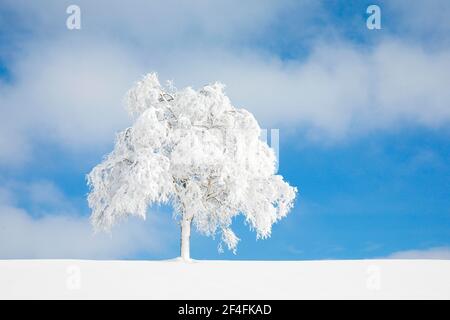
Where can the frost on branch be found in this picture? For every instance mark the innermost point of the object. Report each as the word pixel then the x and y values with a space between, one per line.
pixel 192 149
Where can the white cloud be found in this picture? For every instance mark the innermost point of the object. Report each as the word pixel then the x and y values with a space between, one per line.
pixel 14 145
pixel 62 236
pixel 338 90
pixel 67 94
pixel 66 234
pixel 68 87
pixel 426 21
pixel 439 253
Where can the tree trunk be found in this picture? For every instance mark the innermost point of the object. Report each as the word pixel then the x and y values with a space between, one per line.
pixel 185 238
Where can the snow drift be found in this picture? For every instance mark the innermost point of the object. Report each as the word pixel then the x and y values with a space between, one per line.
pixel 364 279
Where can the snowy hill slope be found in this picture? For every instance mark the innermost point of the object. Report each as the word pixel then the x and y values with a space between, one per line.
pixel 366 279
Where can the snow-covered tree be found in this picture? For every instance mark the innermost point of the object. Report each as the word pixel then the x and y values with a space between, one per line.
pixel 196 151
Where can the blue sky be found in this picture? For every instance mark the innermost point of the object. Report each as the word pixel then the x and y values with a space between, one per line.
pixel 363 118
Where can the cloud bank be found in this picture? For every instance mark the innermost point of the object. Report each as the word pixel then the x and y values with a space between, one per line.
pixel 52 228
pixel 438 253
pixel 68 86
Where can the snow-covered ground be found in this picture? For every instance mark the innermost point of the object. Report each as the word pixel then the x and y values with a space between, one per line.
pixel 366 279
